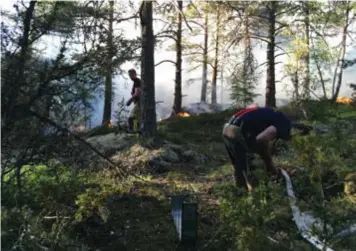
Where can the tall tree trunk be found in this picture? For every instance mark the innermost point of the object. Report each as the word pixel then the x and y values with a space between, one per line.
pixel 323 85
pixel 148 103
pixel 222 84
pixel 216 60
pixel 108 73
pixel 270 85
pixel 246 61
pixel 11 95
pixel 307 56
pixel 321 78
pixel 205 61
pixel 343 48
pixel 177 106
pixel 295 81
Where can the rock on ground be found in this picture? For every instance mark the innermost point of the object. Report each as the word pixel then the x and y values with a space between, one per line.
pixel 110 142
pixel 124 149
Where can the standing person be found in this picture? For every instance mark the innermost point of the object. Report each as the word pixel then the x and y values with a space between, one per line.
pixel 250 131
pixel 135 98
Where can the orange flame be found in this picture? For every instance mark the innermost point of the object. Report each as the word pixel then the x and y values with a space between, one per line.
pixel 344 100
pixel 107 124
pixel 183 114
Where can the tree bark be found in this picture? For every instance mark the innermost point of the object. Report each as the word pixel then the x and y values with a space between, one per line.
pixel 108 75
pixel 19 80
pixel 247 57
pixel 148 104
pixel 205 61
pixel 24 43
pixel 323 86
pixel 307 56
pixel 341 59
pixel 295 80
pixel 177 105
pixel 270 85
pixel 318 67
pixel 216 60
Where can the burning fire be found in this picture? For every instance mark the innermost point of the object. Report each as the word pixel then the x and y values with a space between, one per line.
pixel 344 100
pixel 183 114
pixel 108 124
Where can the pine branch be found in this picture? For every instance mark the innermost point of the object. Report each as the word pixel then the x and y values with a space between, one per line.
pixel 165 61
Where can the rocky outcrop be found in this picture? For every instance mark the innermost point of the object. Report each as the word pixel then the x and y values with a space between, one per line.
pixel 124 150
pixel 111 142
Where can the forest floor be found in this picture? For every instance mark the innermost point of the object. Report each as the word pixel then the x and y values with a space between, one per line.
pixel 111 213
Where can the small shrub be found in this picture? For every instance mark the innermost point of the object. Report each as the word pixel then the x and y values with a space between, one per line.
pixel 102 130
pixel 326 160
pixel 46 191
pixel 253 220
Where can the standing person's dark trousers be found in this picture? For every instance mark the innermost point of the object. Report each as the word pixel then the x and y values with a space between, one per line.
pixel 237 149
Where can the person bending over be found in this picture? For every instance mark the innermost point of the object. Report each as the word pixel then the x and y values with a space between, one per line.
pixel 135 98
pixel 250 131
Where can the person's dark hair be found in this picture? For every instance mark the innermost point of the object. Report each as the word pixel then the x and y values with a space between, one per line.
pixel 132 71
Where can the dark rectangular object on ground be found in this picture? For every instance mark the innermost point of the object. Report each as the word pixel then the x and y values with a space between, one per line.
pixel 185 219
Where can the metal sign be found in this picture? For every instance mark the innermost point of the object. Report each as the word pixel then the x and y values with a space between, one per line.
pixel 185 219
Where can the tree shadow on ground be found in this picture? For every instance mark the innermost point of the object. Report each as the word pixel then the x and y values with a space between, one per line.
pixel 131 222
pixel 144 222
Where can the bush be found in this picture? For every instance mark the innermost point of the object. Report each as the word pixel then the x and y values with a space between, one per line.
pixel 327 159
pixel 254 221
pixel 29 216
pixel 316 110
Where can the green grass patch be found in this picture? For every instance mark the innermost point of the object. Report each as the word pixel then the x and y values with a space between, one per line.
pixel 196 129
pixel 98 210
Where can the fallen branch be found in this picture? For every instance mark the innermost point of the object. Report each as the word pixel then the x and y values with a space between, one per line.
pixel 55 217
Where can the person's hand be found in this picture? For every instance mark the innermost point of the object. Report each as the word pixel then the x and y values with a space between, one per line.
pixel 128 103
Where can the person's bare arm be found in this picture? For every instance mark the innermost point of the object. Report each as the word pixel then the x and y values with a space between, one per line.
pixel 262 141
pixel 137 93
pixel 268 134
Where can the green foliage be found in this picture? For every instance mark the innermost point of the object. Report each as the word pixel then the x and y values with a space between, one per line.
pixel 102 130
pixel 89 203
pixel 41 185
pixel 327 159
pixel 253 220
pixel 320 110
pixel 46 191
pixel 195 129
pixel 243 84
pixel 60 16
pixel 100 209
pixel 60 208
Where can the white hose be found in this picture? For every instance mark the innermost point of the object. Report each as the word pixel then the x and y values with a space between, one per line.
pixel 299 219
